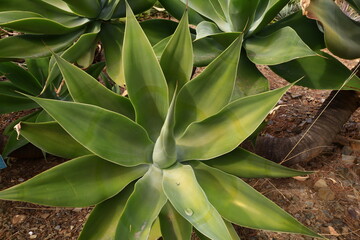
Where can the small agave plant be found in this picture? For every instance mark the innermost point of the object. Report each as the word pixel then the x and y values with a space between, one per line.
pixel 165 159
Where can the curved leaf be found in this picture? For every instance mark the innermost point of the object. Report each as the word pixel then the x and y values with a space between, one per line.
pixel 281 46
pixel 138 6
pixel 242 205
pixel 33 23
pixel 39 68
pixel 85 89
pixel 341 33
pixel 177 58
pixel 187 197
pixel 107 134
pixel 243 163
pixel 318 72
pixel 242 14
pixel 173 225
pixel 87 8
pixel 11 101
pixel 85 42
pixel 112 35
pixel 104 218
pixel 35 46
pixel 249 80
pixel 146 83
pixel 266 12
pixel 225 130
pixel 21 78
pixel 158 29
pixel 138 226
pixel 51 138
pixel 81 182
pixel 176 8
pixel 307 29
pixel 201 98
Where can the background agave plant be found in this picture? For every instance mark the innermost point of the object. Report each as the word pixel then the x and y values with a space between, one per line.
pixel 73 28
pixel 291 46
pixel 148 158
pixel 29 79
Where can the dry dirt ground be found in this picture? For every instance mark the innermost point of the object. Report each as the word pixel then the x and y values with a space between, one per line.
pixel 328 201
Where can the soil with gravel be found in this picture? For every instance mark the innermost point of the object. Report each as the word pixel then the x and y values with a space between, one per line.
pixel 327 201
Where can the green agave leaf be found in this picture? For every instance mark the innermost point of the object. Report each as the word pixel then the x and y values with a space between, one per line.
pixel 51 138
pixel 138 6
pixel 146 83
pixel 341 33
pixel 225 130
pixel 306 28
pixel 231 229
pixel 111 36
pixel 164 154
pixel 210 9
pixel 108 9
pixel 138 226
pixel 35 46
pixel 81 182
pixel 87 58
pixel 242 205
pixel 20 78
pixel 243 163
pixel 104 218
pixel 177 58
pixel 176 8
pixel 155 232
pixel 12 101
pixel 85 42
pixel 205 29
pixel 95 69
pixel 249 80
pixel 187 197
pixel 318 72
pixel 281 46
pixel 242 14
pixel 266 12
pixel 39 68
pixel 87 8
pixel 41 7
pixel 86 89
pixel 201 98
pixel 158 29
pixel 107 134
pixel 34 23
pixel 173 225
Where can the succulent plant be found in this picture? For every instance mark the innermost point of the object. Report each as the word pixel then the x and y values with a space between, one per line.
pixel 166 158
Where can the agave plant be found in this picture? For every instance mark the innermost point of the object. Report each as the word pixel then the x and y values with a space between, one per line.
pixel 166 158
pixel 291 46
pixel 73 28
pixel 29 79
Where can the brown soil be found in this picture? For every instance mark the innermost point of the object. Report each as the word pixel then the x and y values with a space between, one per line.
pixel 328 201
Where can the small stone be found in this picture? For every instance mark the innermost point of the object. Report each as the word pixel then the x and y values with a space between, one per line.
pixel 321 183
pixel 18 219
pixel 77 209
pixel 326 194
pixel 33 236
pixel 21 180
pixel 57 227
pixel 354 213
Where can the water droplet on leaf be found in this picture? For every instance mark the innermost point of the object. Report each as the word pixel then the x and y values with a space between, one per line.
pixel 189 212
